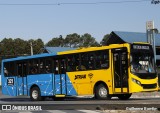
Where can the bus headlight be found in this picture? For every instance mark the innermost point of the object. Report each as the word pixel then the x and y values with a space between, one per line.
pixel 136 81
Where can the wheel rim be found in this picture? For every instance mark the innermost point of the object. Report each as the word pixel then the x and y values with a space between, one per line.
pixel 103 92
pixel 35 94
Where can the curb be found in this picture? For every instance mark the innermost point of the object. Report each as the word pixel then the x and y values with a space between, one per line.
pixel 146 95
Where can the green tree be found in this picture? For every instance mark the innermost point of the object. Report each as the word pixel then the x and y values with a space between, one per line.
pixel 36 44
pixel 72 40
pixel 19 47
pixel 56 42
pixel 7 46
pixel 13 47
pixel 104 40
pixel 88 41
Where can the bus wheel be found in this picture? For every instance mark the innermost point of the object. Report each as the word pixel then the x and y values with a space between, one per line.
pixel 124 96
pixel 101 92
pixel 35 94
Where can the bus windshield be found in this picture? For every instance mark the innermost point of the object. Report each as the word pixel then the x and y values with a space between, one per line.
pixel 142 62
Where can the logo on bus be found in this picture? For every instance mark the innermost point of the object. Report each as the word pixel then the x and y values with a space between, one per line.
pixel 90 75
pixel 80 77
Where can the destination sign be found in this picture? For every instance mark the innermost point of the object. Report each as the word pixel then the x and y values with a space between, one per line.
pixel 141 47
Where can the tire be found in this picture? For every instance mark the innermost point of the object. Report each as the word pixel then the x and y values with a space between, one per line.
pixel 101 92
pixel 35 94
pixel 124 96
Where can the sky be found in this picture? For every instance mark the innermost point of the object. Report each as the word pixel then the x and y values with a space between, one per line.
pixel 49 21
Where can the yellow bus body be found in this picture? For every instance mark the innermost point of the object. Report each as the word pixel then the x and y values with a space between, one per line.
pixel 86 84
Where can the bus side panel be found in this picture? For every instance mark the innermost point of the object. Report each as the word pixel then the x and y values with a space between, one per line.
pixel 43 81
pixel 60 84
pixel 9 86
pixel 57 85
pixel 81 82
pixel 70 87
pixel 22 85
pixel 63 84
pixel 84 81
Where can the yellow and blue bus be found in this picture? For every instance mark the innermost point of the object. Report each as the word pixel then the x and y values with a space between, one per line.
pixel 103 72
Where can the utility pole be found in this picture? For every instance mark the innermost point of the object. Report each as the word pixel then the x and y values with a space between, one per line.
pixel 31 48
pixel 151 31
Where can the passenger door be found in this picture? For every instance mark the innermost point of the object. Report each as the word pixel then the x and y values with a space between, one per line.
pixel 22 78
pixel 60 76
pixel 120 70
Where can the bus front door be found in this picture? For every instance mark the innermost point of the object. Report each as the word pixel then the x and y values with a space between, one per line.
pixel 22 79
pixel 120 70
pixel 59 77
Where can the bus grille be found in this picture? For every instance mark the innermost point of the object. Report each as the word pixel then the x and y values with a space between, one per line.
pixel 149 86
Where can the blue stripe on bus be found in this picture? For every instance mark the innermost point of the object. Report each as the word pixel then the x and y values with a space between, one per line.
pixel 30 57
pixel 49 85
pixel 10 90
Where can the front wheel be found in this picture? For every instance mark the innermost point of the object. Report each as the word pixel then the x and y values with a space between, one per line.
pixel 101 92
pixel 35 94
pixel 124 96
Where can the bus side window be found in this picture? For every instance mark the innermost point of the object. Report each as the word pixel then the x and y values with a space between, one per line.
pixel 33 66
pixel 70 63
pixel 12 70
pixel 36 66
pixel 84 60
pixel 91 61
pixel 98 60
pixel 102 59
pixel 22 69
pixel 105 59
pixel 48 66
pixel 25 71
pixel 9 69
pixel 30 66
pixel 63 66
pixel 73 62
pixel 6 67
pixel 76 62
pixel 42 66
pixel 56 67
pixel 6 73
pixel 19 69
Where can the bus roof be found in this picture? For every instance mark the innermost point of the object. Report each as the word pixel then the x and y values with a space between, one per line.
pixel 92 49
pixel 54 52
pixel 30 57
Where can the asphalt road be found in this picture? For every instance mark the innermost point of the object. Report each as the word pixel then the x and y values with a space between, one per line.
pixel 83 103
